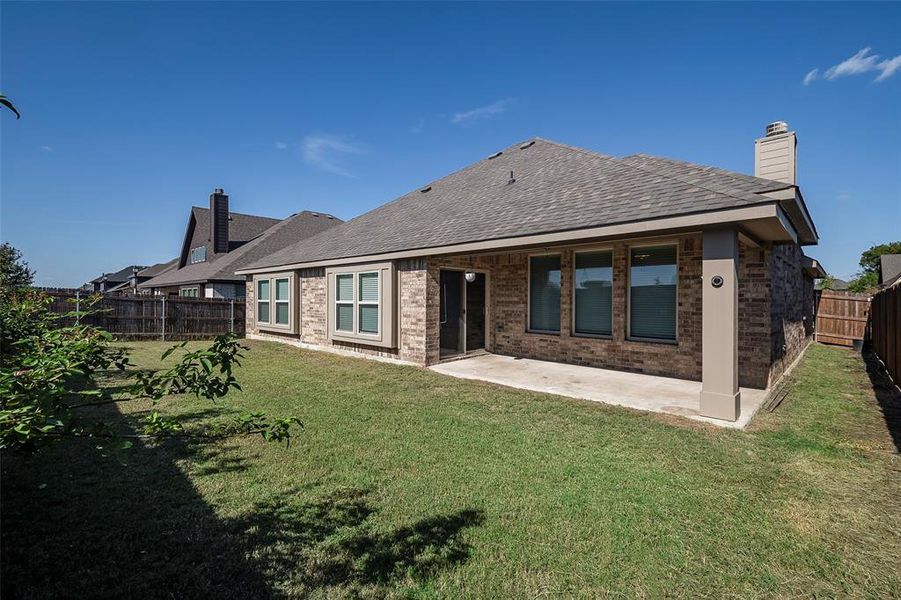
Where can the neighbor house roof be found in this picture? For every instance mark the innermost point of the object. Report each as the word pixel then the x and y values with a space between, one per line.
pixel 531 188
pixel 158 268
pixel 222 267
pixel 889 267
pixel 118 276
pixel 241 227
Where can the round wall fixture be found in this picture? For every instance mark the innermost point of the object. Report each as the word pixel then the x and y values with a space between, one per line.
pixel 470 276
pixel 717 281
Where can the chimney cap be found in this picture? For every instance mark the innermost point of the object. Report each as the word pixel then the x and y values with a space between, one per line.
pixel 218 191
pixel 776 128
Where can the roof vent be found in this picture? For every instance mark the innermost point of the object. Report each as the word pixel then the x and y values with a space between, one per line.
pixel 330 216
pixel 528 144
pixel 776 128
pixel 315 214
pixel 427 188
pixel 512 180
pixel 495 155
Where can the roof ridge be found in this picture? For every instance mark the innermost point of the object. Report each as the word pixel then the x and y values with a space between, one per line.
pixel 709 168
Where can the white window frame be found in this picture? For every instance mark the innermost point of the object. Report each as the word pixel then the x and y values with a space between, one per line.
pixel 275 301
pixel 193 250
pixel 351 302
pixel 256 296
pixel 601 336
pixel 649 244
pixel 195 289
pixel 292 326
pixel 358 302
pixel 529 329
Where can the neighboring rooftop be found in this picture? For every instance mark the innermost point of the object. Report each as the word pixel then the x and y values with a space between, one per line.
pixel 118 276
pixel 889 268
pixel 530 188
pixel 298 226
pixel 159 268
pixel 241 228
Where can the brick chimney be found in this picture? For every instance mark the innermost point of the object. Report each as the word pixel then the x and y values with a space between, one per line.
pixel 776 154
pixel 218 221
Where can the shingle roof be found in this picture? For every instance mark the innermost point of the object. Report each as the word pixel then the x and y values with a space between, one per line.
pixel 889 267
pixel 296 227
pixel 556 188
pixel 158 268
pixel 241 227
pixel 119 276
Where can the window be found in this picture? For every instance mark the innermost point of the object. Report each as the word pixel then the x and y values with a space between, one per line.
pixel 593 281
pixel 188 292
pixel 263 301
pixel 364 304
pixel 282 297
pixel 544 293
pixel 368 305
pixel 198 254
pixel 652 292
pixel 344 302
pixel 275 302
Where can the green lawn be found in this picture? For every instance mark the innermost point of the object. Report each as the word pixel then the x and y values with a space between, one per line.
pixel 409 483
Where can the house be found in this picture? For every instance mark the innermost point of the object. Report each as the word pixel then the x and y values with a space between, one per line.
pixel 218 242
pixel 889 269
pixel 552 252
pixel 139 275
pixel 108 282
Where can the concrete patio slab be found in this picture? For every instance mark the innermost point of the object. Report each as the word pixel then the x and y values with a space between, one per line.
pixel 632 390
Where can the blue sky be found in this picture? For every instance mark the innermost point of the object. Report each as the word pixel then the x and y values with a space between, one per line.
pixel 132 112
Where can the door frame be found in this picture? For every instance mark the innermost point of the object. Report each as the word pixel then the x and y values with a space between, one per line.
pixel 489 337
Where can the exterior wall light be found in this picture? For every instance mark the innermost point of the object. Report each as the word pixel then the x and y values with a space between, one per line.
pixel 470 276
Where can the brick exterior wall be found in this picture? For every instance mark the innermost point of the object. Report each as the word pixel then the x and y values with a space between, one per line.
pixel 411 280
pixel 791 308
pixel 774 299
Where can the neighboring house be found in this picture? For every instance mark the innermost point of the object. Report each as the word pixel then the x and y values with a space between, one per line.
pixel 218 242
pixel 552 252
pixel 108 282
pixel 140 275
pixel 889 268
pixel 838 285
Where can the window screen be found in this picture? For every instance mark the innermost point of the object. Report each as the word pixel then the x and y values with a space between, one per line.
pixel 369 303
pixel 344 302
pixel 282 297
pixel 544 293
pixel 263 301
pixel 652 279
pixel 594 293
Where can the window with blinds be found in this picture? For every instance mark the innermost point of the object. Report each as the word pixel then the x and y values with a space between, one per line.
pixel 263 301
pixel 544 293
pixel 275 302
pixel 368 303
pixel 344 302
pixel 282 302
pixel 593 281
pixel 653 277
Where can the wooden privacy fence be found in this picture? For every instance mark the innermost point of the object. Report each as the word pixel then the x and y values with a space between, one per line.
pixel 155 317
pixel 842 317
pixel 886 333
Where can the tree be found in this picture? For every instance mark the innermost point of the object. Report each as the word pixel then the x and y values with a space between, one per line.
pixel 14 272
pixel 826 283
pixel 48 382
pixel 8 104
pixel 867 279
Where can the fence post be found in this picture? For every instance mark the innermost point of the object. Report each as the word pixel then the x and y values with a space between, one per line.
pixel 163 330
pixel 231 318
pixel 77 307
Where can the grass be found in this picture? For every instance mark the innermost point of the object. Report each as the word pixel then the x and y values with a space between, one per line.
pixel 406 483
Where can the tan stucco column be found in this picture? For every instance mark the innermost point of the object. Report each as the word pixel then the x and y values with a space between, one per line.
pixel 720 397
